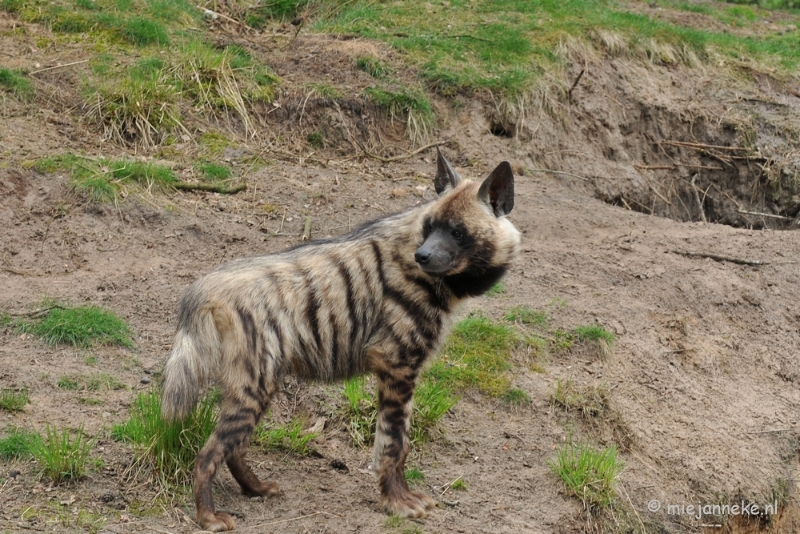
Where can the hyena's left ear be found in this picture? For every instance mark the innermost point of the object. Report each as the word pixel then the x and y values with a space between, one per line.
pixel 498 190
pixel 446 175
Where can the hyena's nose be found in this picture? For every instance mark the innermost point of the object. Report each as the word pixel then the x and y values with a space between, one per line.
pixel 422 256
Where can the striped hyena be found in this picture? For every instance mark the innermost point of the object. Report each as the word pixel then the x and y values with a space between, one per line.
pixel 378 299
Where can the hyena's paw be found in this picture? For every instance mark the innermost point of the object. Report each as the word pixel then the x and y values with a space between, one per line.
pixel 215 522
pixel 263 489
pixel 409 504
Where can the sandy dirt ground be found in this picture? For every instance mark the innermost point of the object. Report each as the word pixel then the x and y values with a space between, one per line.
pixel 703 378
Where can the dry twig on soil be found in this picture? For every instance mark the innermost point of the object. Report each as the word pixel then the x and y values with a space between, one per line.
pixel 719 257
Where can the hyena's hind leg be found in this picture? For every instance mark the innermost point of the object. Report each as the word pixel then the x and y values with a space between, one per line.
pixel 228 443
pixel 392 443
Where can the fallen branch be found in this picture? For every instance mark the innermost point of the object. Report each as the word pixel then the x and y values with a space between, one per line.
pixel 720 258
pixel 58 67
pixel 307 229
pixel 675 166
pixel 770 215
pixel 558 172
pixel 221 189
pixel 400 157
pixel 702 146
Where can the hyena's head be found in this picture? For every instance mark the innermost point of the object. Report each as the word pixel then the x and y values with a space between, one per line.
pixel 466 238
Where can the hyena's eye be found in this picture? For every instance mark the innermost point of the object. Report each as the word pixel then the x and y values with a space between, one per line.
pixel 458 235
pixel 427 229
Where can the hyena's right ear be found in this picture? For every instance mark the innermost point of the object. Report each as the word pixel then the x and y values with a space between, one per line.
pixel 498 190
pixel 446 175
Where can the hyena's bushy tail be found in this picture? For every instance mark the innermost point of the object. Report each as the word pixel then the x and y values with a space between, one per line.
pixel 190 366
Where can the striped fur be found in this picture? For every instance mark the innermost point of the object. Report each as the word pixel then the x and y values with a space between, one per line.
pixel 379 299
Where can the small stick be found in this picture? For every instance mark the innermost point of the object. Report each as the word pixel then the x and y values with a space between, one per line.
pixel 575 84
pixel 701 145
pixel 770 215
pixel 771 431
pixel 206 10
pixel 558 172
pixel 510 435
pixel 672 167
pixel 659 195
pixel 400 157
pixel 20 272
pixel 34 313
pixel 307 229
pixel 185 186
pixel 697 199
pixel 718 257
pixel 58 66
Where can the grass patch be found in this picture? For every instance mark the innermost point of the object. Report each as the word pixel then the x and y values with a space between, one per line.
pixel 526 316
pixel 61 456
pixel 83 326
pixel 361 411
pixel 409 103
pixel 316 139
pixel 167 449
pixel 13 401
pixel 214 173
pixel 476 355
pixel 459 484
pixel 595 334
pixel 414 476
pixel 19 444
pixel 591 401
pixel 516 397
pixel 373 66
pixel 508 46
pixel 289 437
pixel 588 473
pixel 15 82
pixel 103 180
pixel 496 290
pixel 431 402
pixel 93 382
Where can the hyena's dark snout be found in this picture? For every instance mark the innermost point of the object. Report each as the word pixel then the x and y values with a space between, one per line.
pixel 435 255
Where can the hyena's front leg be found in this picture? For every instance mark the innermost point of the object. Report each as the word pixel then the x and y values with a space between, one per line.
pixel 395 395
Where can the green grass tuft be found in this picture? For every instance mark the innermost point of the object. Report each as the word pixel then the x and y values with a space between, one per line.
pixel 373 66
pixel 525 315
pixel 459 484
pixel 102 180
pixel 409 103
pixel 19 443
pixel 143 32
pixel 360 411
pixel 61 457
pixel 414 475
pixel 167 449
pixel 431 402
pixel 496 290
pixel 213 172
pixel 93 382
pixel 588 473
pixel 81 327
pixel 13 401
pixel 476 355
pixel 516 397
pixel 316 139
pixel 16 83
pixel 595 334
pixel 289 437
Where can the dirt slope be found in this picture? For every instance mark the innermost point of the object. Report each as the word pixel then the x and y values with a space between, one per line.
pixel 702 380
